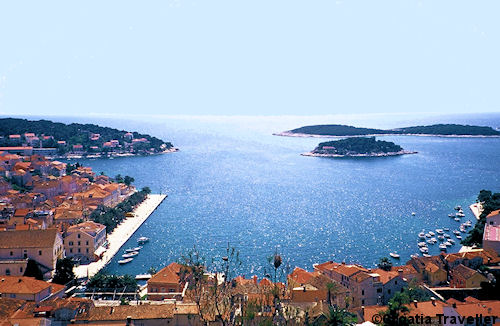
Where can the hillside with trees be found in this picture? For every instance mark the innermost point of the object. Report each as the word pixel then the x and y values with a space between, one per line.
pixel 358 146
pixel 435 130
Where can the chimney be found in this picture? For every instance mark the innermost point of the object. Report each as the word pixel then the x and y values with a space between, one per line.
pixel 129 320
pixel 400 272
pixel 433 301
pixel 363 311
pixel 254 279
pixel 415 303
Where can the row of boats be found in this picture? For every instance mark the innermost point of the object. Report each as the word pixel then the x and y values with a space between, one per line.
pixel 130 253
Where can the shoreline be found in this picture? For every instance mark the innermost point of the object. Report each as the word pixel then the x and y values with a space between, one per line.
pixel 293 134
pixel 120 235
pixel 359 155
pixel 112 155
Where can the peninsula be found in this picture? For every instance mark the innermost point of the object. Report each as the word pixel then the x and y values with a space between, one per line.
pixel 357 147
pixel 442 130
pixel 55 139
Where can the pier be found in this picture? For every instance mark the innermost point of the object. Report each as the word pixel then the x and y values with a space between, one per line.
pixel 121 234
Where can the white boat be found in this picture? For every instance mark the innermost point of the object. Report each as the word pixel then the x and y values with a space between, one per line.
pixel 426 255
pixel 442 247
pixel 430 241
pixel 432 233
pixel 446 235
pixel 451 241
pixel 457 219
pixel 414 255
pixel 433 240
pixel 448 244
pixel 427 235
pixel 462 229
pixel 458 207
pixel 446 229
pixel 460 214
pixel 441 237
pixel 424 249
pixel 143 277
pixel 394 255
pixel 451 215
pixel 421 244
pixel 130 254
pixel 421 235
pixel 439 231
pixel 133 249
pixel 413 213
pixel 459 237
pixel 142 240
pixel 456 232
pixel 124 261
pixel 468 224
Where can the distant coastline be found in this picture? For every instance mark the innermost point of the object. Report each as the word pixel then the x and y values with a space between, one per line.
pixel 293 134
pixel 111 155
pixel 404 152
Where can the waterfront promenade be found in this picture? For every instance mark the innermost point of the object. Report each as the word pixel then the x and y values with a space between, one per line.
pixel 121 234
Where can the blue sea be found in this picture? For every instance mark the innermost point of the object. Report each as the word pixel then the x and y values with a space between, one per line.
pixel 234 182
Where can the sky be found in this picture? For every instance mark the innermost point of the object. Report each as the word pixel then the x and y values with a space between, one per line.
pixel 230 57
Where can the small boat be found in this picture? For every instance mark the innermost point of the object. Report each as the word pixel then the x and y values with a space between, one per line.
pixel 457 219
pixel 446 235
pixel 421 244
pixel 433 240
pixel 451 241
pixel 459 237
pixel 421 235
pixel 451 215
pixel 414 255
pixel 456 232
pixel 441 237
pixel 427 235
pixel 130 254
pixel 462 229
pixel 458 207
pixel 133 249
pixel 394 255
pixel 430 241
pixel 442 247
pixel 424 249
pixel 413 213
pixel 468 224
pixel 460 214
pixel 143 277
pixel 439 231
pixel 432 233
pixel 426 255
pixel 124 261
pixel 142 240
pixel 446 229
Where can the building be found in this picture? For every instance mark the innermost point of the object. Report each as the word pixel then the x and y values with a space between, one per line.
pixel 491 238
pixel 43 246
pixel 166 284
pixel 19 150
pixel 83 240
pixel 29 289
pixel 465 277
pixel 392 282
pixel 493 218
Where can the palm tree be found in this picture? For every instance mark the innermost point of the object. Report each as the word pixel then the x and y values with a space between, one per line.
pixel 338 317
pixel 333 289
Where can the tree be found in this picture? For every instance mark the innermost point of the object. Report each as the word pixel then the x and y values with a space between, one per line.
pixel 119 178
pixel 64 271
pixel 385 264
pixel 33 270
pixel 128 180
pixel 333 289
pixel 337 317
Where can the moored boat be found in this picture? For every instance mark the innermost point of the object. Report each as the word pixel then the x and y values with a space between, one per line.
pixel 142 240
pixel 124 261
pixel 130 254
pixel 394 255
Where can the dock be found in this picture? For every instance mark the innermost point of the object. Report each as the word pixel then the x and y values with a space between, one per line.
pixel 121 234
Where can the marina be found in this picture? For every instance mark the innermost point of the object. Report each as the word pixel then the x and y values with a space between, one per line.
pixel 120 235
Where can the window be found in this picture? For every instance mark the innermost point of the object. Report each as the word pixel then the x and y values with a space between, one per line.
pixel 20 269
pixel 396 282
pixel 25 255
pixel 389 291
pixel 171 290
pixel 39 252
pixel 12 253
pixel 71 243
pixel 7 272
pixel 78 242
pixel 379 290
pixel 71 250
pixel 362 292
pixel 79 250
pixel 87 250
pixel 87 242
pixel 363 301
pixel 79 236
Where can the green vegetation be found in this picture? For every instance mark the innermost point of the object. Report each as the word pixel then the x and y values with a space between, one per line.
pixel 64 271
pixel 356 145
pixel 102 282
pixel 398 305
pixel 385 264
pixel 112 216
pixel 490 202
pixel 438 129
pixel 74 133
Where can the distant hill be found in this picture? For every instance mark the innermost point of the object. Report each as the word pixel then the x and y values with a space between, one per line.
pixel 435 130
pixel 91 137
pixel 357 146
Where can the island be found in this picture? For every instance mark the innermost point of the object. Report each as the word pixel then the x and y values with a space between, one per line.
pixel 442 130
pixel 357 147
pixel 75 140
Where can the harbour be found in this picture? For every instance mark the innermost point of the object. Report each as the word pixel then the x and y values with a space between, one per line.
pixel 121 234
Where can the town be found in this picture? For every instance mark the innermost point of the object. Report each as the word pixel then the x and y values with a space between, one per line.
pixel 55 220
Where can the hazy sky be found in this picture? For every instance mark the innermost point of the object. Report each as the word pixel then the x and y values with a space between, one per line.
pixel 262 57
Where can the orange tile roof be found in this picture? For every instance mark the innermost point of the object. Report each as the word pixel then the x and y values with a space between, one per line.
pixel 168 274
pixel 486 308
pixel 349 270
pixel 386 276
pixel 300 275
pixel 329 265
pixel 28 239
pixel 22 285
pixel 494 213
pixel 463 271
